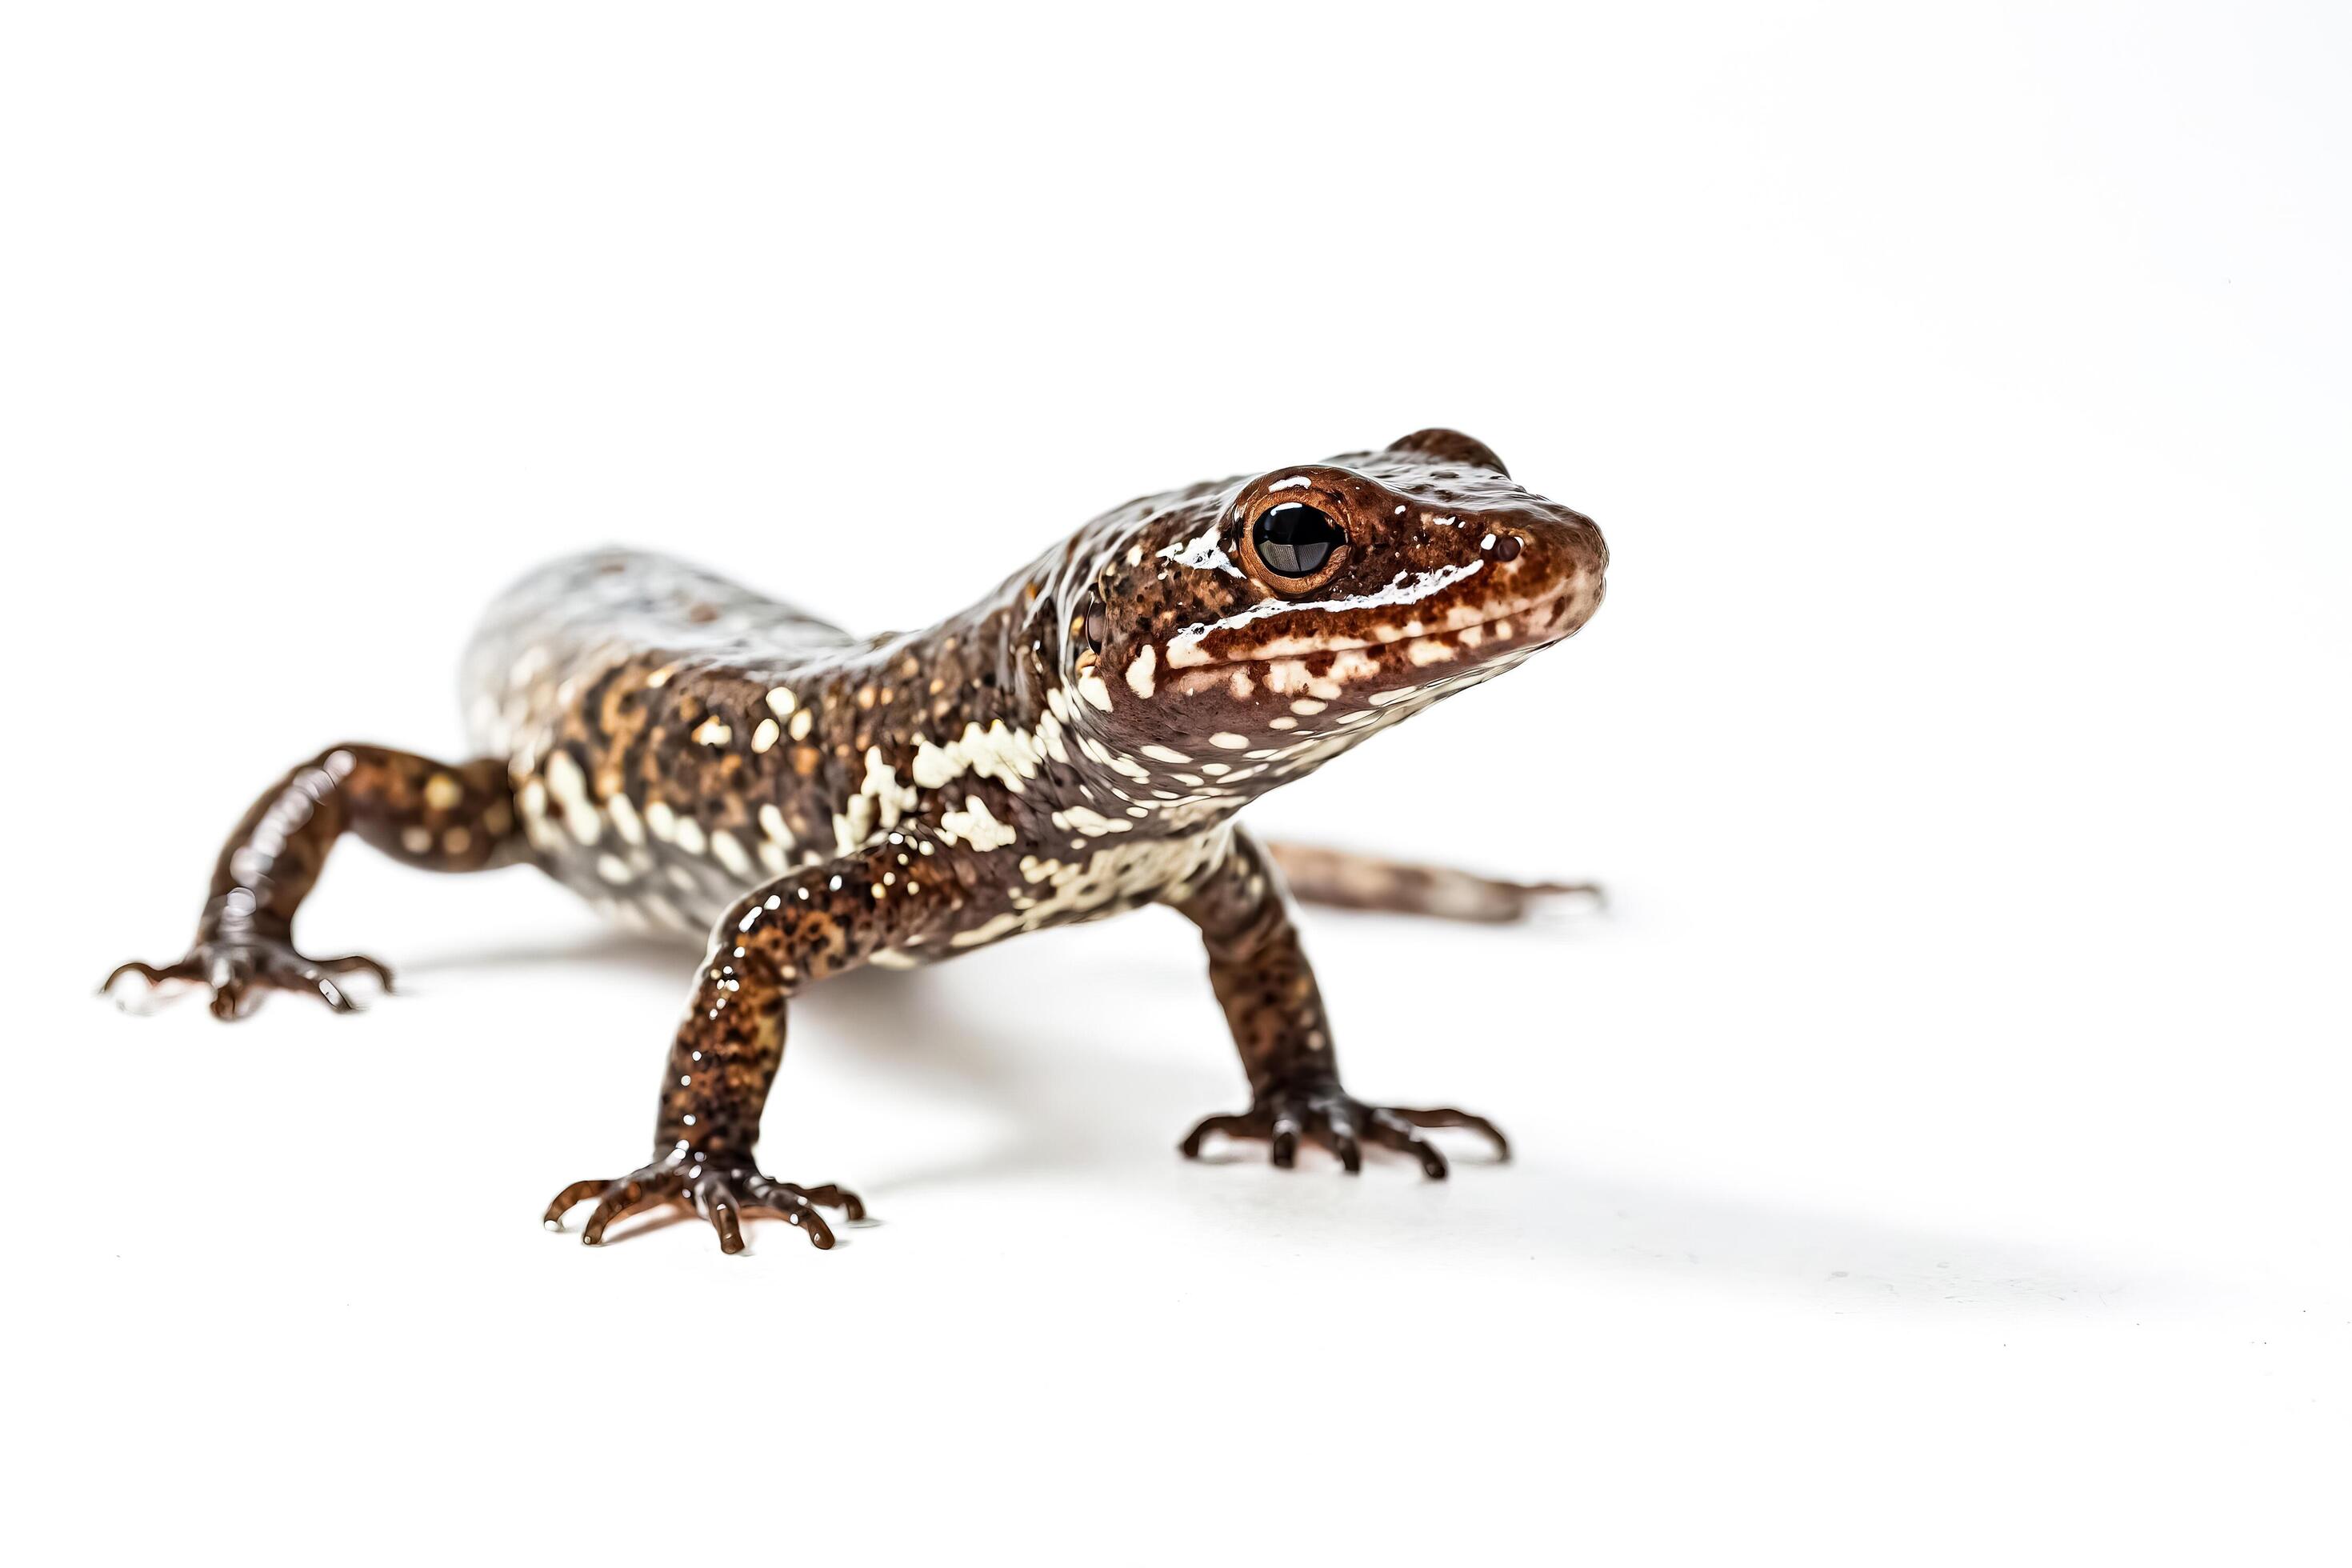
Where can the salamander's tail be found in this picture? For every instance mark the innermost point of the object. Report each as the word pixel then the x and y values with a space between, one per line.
pixel 1333 877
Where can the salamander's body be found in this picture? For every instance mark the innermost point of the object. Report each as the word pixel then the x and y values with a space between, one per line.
pixel 686 753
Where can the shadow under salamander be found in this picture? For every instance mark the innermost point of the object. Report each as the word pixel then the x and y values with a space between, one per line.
pixel 1063 1106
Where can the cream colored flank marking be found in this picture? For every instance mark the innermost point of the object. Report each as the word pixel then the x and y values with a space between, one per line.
pixel 713 731
pixel 879 798
pixel 1006 755
pixel 783 701
pixel 661 821
pixel 416 841
pixel 1112 877
pixel 1228 740
pixel 441 792
pixel 800 724
pixel 570 791
pixel 765 735
pixel 976 825
pixel 1139 674
pixel 1165 753
pixel 624 815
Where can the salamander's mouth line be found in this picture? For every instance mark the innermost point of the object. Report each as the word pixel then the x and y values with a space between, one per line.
pixel 1530 607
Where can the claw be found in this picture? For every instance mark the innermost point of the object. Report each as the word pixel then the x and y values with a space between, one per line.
pixel 1282 1147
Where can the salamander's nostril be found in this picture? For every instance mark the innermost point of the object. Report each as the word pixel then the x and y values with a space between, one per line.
pixel 1508 546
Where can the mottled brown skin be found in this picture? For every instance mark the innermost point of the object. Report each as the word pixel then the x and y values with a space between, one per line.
pixel 426 814
pixel 689 754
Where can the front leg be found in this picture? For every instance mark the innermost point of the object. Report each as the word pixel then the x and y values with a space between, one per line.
pixel 436 816
pixel 1275 1011
pixel 772 943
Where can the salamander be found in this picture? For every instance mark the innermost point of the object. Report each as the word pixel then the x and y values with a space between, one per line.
pixel 686 753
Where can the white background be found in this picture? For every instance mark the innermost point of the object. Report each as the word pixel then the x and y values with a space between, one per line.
pixel 1939 1154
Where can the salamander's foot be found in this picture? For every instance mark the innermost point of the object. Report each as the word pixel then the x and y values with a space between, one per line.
pixel 237 971
pixel 1338 1121
pixel 720 1191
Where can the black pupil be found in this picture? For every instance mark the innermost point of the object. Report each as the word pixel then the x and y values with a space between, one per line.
pixel 1294 540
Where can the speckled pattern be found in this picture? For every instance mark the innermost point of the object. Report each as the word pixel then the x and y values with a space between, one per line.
pixel 686 753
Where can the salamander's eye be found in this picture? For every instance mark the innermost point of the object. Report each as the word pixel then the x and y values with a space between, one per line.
pixel 1294 540
pixel 1094 624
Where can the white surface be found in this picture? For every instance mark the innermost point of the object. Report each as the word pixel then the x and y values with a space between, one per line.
pixel 1939 1156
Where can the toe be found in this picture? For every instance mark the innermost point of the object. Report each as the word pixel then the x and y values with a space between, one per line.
pixel 358 963
pixel 620 1200
pixel 1340 1137
pixel 327 991
pixel 852 1207
pixel 1230 1126
pixel 820 1233
pixel 1448 1117
pixel 567 1200
pixel 718 1204
pixel 1394 1133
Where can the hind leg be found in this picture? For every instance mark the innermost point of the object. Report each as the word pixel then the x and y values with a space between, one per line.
pixel 424 813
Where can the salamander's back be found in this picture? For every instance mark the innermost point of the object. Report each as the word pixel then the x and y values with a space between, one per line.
pixel 570 619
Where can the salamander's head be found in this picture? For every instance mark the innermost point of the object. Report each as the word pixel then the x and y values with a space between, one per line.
pixel 1257 627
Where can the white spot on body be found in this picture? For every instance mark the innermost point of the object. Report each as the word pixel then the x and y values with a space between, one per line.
pixel 569 790
pixel 974 825
pixel 1139 672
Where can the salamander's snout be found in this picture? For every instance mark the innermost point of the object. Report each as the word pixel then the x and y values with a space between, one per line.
pixel 1550 560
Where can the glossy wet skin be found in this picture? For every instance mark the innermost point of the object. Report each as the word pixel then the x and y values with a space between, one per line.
pixel 686 753
pixel 1446 573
